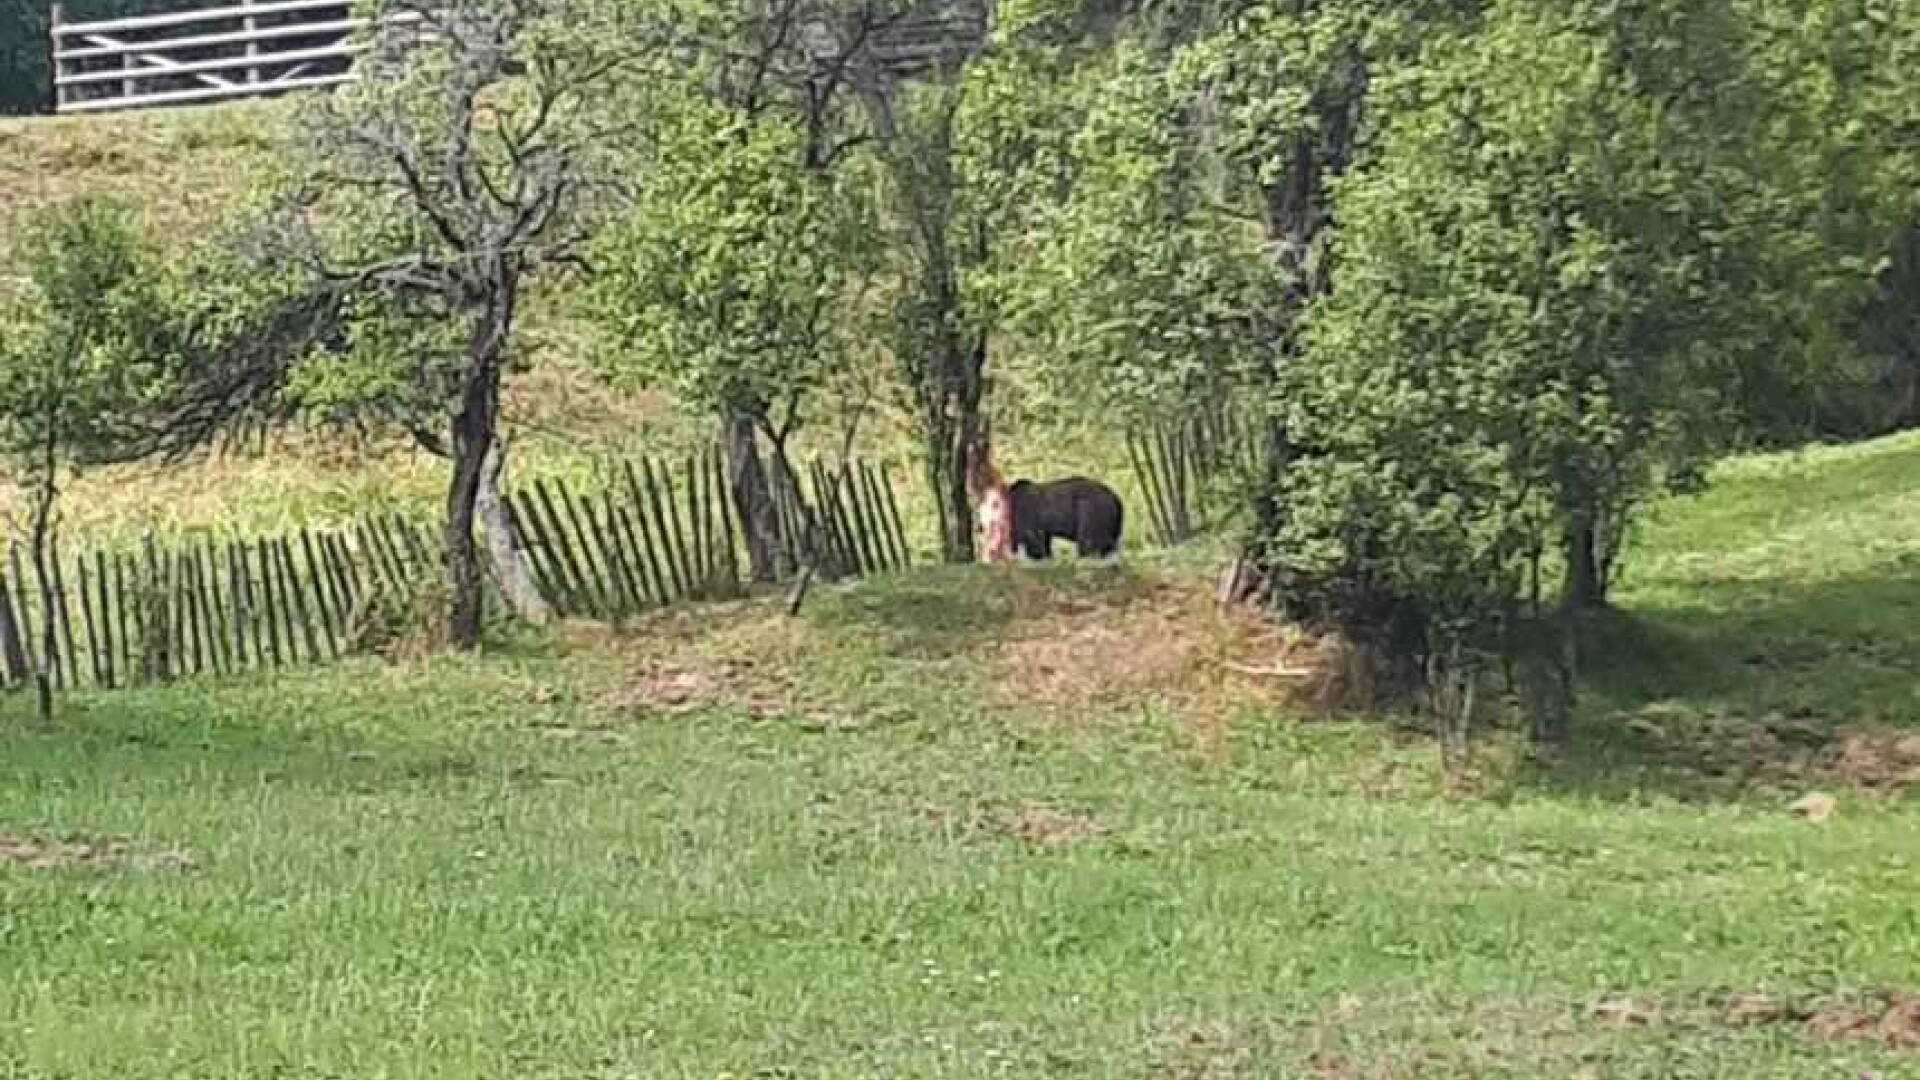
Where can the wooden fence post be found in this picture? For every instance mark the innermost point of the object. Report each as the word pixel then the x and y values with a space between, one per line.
pixel 671 550
pixel 893 516
pixel 12 649
pixel 104 589
pixel 70 663
pixel 252 24
pixel 55 65
pixel 650 549
pixel 89 625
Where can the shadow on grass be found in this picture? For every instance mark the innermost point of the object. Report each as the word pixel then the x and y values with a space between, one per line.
pixel 945 611
pixel 1757 688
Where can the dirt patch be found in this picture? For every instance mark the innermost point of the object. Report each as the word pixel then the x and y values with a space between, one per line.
pixel 677 687
pixel 1891 1019
pixel 742 656
pixel 1034 824
pixel 1779 754
pixel 1042 826
pixel 664 630
pixel 112 853
pixel 1205 1051
pixel 1624 1012
pixel 1166 645
pixel 1749 1010
pixel 1392 1039
pixel 1877 758
pixel 742 661
pixel 1403 1038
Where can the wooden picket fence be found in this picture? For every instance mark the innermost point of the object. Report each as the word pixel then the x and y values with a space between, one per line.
pixel 651 535
pixel 645 541
pixel 126 618
pixel 1177 461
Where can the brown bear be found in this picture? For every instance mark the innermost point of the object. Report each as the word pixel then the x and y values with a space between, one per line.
pixel 1075 508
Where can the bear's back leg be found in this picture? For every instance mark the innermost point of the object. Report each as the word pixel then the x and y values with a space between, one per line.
pixel 1096 530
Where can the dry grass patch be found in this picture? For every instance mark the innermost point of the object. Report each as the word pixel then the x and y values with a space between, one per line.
pixel 744 656
pixel 180 171
pixel 679 687
pixel 1889 1018
pixel 1356 1039
pixel 1040 825
pixel 1032 823
pixel 1203 1050
pixel 1876 757
pixel 109 853
pixel 1169 645
pixel 1404 1039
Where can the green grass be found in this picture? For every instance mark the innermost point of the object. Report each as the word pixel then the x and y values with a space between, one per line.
pixel 524 865
pixel 1786 600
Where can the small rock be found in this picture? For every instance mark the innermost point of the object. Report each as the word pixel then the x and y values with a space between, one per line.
pixel 1814 806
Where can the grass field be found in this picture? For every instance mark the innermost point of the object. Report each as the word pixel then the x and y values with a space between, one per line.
pixel 969 823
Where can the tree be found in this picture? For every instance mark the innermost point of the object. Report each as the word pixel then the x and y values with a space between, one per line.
pixel 87 347
pixel 1146 290
pixel 957 151
pixel 731 286
pixel 802 66
pixel 1194 225
pixel 734 277
pixel 1555 277
pixel 461 166
pixel 1846 146
pixel 1890 324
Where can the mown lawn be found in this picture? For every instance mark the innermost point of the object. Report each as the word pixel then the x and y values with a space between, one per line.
pixel 971 824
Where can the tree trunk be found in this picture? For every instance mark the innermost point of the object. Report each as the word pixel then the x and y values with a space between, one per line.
pixel 1581 591
pixel 13 649
pixel 43 497
pixel 474 429
pixel 752 500
pixel 470 444
pixel 953 437
pixel 1551 672
pixel 958 543
pixel 1296 220
pixel 505 546
pixel 1241 582
pixel 1269 514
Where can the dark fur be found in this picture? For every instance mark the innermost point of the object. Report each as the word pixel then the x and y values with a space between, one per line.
pixel 1084 511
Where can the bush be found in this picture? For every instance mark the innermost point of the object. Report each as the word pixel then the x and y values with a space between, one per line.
pixel 1552 279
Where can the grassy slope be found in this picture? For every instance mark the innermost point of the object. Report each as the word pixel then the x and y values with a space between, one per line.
pixel 180 170
pixel 972 824
pixel 1787 601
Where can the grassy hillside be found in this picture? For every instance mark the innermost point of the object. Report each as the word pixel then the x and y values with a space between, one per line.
pixel 177 169
pixel 181 170
pixel 1764 617
pixel 977 822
